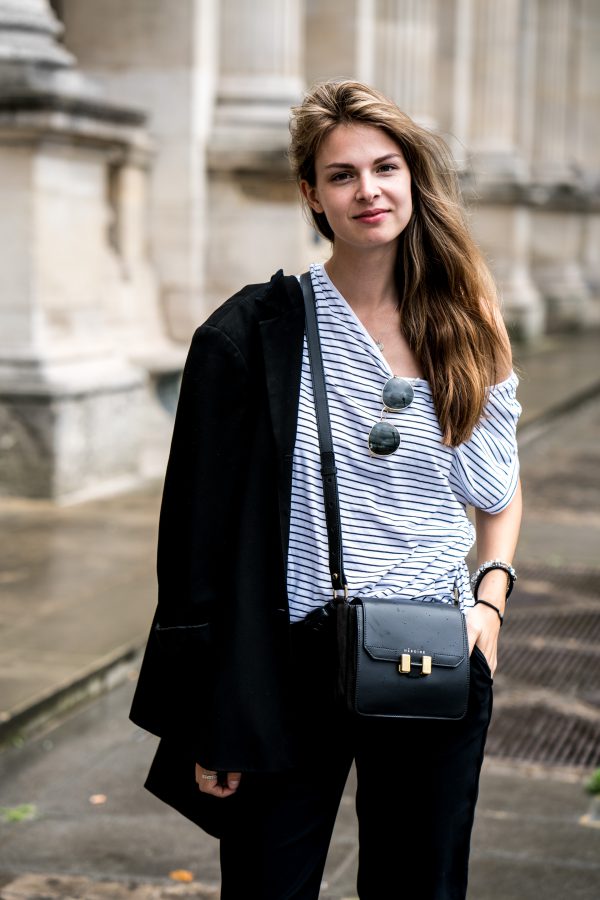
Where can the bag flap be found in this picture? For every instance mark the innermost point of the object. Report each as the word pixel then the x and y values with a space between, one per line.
pixel 393 627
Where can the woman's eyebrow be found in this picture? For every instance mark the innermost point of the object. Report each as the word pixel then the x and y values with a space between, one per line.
pixel 380 159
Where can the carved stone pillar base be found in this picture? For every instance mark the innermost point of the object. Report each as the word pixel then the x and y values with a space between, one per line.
pixel 557 241
pixel 591 264
pixel 503 232
pixel 256 228
pixel 69 429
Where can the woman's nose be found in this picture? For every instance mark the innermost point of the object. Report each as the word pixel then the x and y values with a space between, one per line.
pixel 367 188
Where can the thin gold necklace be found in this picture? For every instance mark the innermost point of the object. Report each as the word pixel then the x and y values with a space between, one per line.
pixel 378 342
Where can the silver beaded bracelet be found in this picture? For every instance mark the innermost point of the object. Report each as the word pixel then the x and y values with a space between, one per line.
pixel 484 568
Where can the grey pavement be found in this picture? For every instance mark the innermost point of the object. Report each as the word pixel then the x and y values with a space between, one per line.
pixel 78 591
pixel 529 840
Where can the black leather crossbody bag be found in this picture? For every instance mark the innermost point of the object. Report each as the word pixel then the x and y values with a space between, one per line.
pixel 397 658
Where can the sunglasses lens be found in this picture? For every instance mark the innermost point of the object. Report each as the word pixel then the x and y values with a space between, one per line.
pixel 398 393
pixel 384 439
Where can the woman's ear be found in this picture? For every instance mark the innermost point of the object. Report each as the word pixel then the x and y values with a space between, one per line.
pixel 311 196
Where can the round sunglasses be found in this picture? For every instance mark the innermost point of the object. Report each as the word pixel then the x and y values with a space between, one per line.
pixel 384 437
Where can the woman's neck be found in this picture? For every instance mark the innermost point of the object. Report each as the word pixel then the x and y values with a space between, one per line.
pixel 365 280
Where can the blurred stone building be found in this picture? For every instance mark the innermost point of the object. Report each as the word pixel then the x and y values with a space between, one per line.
pixel 143 180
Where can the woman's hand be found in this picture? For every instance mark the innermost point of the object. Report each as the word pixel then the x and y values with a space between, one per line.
pixel 483 628
pixel 222 784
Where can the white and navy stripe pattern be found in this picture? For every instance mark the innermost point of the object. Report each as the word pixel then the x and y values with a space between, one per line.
pixel 404 525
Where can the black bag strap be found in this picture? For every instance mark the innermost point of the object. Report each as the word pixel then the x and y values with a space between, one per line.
pixel 328 469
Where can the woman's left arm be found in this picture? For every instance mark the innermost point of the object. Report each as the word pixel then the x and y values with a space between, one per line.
pixel 497 536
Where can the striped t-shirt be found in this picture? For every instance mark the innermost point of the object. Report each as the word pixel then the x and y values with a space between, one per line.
pixel 404 525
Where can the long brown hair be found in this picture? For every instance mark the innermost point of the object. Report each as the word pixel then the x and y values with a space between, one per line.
pixel 448 302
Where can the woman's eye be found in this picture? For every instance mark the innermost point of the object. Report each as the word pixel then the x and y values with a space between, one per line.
pixel 341 176
pixel 387 167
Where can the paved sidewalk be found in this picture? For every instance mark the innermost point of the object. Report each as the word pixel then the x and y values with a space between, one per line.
pixel 78 591
pixel 530 839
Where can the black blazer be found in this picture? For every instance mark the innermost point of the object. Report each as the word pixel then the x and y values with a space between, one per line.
pixel 213 681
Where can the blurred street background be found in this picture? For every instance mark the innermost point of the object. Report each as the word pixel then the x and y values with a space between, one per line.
pixel 143 180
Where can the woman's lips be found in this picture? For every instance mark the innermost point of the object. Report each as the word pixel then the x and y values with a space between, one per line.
pixel 372 216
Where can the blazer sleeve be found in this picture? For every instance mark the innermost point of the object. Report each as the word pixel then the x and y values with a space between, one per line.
pixel 205 460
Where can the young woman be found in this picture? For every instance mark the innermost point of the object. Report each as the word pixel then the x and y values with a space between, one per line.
pixel 254 748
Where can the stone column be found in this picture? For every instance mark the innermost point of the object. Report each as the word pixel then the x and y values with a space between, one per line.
pixel 590 261
pixel 558 244
pixel 585 97
pixel 586 103
pixel 493 129
pixel 480 89
pixel 491 122
pixel 504 232
pixel 337 39
pixel 69 400
pixel 553 145
pixel 261 59
pixel 405 54
pixel 462 83
pixel 392 44
pixel 558 224
pixel 255 223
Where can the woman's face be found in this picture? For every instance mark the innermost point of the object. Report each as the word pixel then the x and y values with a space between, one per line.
pixel 363 186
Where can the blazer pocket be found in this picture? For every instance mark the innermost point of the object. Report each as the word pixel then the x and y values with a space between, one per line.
pixel 178 639
pixel 182 666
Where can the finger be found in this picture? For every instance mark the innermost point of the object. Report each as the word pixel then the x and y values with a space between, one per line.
pixel 205 777
pixel 219 790
pixel 226 785
pixel 233 781
pixel 211 787
pixel 211 782
pixel 203 774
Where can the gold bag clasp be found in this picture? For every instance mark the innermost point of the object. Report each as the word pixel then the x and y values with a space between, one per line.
pixel 406 664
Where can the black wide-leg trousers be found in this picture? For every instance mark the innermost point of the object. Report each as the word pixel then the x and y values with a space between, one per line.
pixel 417 789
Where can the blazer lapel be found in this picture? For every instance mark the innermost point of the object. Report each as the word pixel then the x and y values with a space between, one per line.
pixel 282 335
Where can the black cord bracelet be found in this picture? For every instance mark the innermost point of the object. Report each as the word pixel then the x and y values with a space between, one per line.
pixel 495 608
